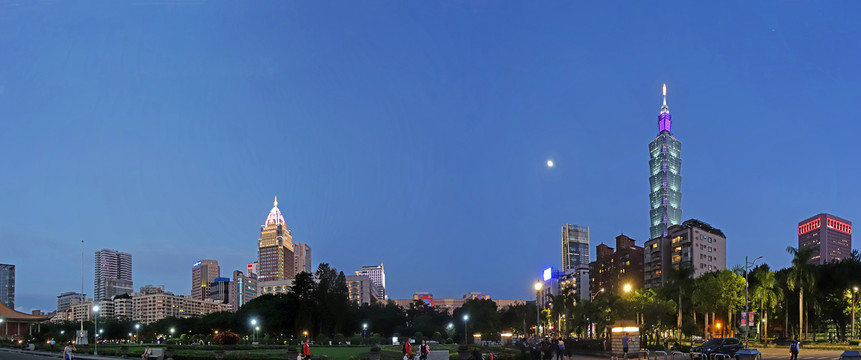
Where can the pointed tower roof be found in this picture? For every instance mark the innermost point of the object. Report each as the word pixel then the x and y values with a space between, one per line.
pixel 665 120
pixel 275 217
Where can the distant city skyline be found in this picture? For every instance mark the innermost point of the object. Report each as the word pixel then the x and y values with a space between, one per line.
pixel 165 129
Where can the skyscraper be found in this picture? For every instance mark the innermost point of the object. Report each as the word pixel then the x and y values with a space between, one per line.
pixel 66 300
pixel 113 274
pixel 203 273
pixel 243 289
pixel 7 285
pixel 275 248
pixel 575 247
pixel 219 290
pixel 302 258
pixel 665 180
pixel 378 275
pixel 832 242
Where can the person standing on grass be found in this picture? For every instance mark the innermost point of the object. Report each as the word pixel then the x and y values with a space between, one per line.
pixel 408 349
pixel 306 350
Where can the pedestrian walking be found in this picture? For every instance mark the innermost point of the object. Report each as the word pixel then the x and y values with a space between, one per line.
pixel 625 345
pixel 67 351
pixel 424 350
pixel 794 346
pixel 408 349
pixel 147 353
pixel 560 350
pixel 306 350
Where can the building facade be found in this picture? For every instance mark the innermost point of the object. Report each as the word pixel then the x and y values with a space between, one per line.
pixel 113 274
pixel 302 258
pixel 203 273
pixel 450 304
pixel 575 247
pixel 7 285
pixel 66 300
pixel 612 270
pixel 577 282
pixel 157 304
pixel 243 289
pixel 219 290
pixel 362 289
pixel 274 287
pixel 378 275
pixel 275 248
pixel 693 244
pixel 829 236
pixel 665 179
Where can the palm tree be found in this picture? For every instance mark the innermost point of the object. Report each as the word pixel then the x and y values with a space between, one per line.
pixel 681 280
pixel 765 294
pixel 801 278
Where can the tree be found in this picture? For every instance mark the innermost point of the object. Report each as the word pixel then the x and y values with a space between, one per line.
pixel 731 294
pixel 680 283
pixel 766 296
pixel 706 297
pixel 800 278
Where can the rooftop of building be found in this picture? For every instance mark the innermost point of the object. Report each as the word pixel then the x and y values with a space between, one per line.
pixel 694 223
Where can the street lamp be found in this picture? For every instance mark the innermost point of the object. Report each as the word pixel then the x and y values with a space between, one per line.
pixel 538 286
pixel 596 294
pixel 746 285
pixel 465 339
pixel 138 332
pixel 171 332
pixel 253 325
pixel 96 333
pixel 854 305
pixel 364 332
pixel 627 288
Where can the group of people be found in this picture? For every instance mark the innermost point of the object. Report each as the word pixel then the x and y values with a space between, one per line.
pixel 547 346
pixel 407 350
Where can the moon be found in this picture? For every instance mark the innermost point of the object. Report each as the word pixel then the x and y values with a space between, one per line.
pixel 549 163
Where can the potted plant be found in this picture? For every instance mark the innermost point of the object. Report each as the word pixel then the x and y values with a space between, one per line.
pixel 375 353
pixel 292 352
pixel 463 352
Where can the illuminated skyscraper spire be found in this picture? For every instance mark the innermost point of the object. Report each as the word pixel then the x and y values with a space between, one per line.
pixel 665 181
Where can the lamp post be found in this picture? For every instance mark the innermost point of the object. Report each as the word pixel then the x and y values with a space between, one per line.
pixel 138 332
pixel 253 329
pixel 96 332
pixel 596 294
pixel 854 305
pixel 538 286
pixel 171 332
pixel 465 339
pixel 747 285
pixel 364 332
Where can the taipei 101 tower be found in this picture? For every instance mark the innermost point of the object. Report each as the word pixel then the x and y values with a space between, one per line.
pixel 665 180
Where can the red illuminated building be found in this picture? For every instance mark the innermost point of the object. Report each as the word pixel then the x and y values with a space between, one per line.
pixel 828 235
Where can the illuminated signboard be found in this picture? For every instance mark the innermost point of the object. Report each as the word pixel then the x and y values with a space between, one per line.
pixel 195 264
pixel 548 274
pixel 427 300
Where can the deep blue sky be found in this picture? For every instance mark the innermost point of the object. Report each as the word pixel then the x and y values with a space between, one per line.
pixel 413 133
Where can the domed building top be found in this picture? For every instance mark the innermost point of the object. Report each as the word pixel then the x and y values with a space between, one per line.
pixel 275 217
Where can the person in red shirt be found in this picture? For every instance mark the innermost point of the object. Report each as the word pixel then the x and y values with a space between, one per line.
pixel 306 350
pixel 408 350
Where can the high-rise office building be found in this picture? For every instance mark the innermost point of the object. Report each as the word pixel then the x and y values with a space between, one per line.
pixel 275 248
pixel 203 273
pixel 362 289
pixel 113 274
pixel 219 290
pixel 302 258
pixel 378 275
pixel 693 244
pixel 665 180
pixel 829 236
pixel 243 289
pixel 575 247
pixel 612 270
pixel 252 269
pixel 7 285
pixel 66 300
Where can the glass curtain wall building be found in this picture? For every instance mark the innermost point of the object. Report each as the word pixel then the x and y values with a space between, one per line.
pixel 575 247
pixel 665 180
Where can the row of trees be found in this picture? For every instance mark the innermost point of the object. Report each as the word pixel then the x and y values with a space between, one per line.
pixel 799 300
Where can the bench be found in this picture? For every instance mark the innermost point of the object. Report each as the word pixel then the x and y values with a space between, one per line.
pixel 156 354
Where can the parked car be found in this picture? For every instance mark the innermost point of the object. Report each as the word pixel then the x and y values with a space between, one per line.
pixel 719 346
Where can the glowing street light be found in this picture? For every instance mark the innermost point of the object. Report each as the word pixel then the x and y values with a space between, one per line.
pixel 538 286
pixel 138 332
pixel 627 288
pixel 465 319
pixel 96 333
pixel 596 294
pixel 364 332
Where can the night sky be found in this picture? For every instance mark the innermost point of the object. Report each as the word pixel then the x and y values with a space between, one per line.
pixel 412 133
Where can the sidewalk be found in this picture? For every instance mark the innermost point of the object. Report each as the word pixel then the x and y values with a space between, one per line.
pixel 58 355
